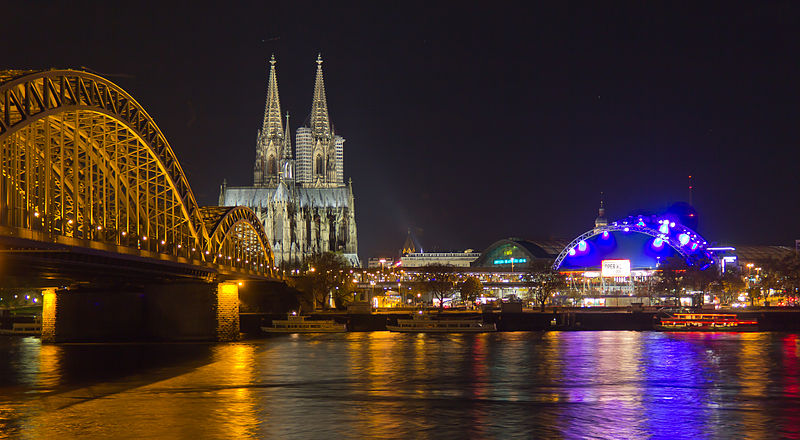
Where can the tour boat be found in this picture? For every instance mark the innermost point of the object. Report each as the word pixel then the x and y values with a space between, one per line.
pixel 423 323
pixel 23 329
pixel 295 323
pixel 707 322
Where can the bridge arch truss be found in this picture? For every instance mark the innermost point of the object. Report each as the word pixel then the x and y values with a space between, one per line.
pixel 234 240
pixel 692 249
pixel 80 158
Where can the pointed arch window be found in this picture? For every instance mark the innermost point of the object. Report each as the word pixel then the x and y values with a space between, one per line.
pixel 272 168
pixel 320 166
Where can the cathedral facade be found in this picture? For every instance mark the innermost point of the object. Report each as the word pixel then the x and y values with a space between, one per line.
pixel 301 198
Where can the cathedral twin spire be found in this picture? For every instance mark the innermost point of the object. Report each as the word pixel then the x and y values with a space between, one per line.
pixel 299 193
pixel 320 124
pixel 272 111
pixel 271 142
pixel 319 121
pixel 319 151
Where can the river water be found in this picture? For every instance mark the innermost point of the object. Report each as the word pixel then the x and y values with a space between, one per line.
pixel 388 385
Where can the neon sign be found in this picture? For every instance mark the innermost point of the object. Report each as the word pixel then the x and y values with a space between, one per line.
pixel 511 261
pixel 616 268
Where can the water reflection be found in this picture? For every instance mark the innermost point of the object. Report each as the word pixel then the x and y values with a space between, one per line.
pixel 376 385
pixel 49 371
pixel 790 375
pixel 602 370
pixel 752 369
pixel 677 385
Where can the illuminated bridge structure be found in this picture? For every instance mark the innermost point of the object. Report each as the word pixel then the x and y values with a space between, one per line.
pixel 643 239
pixel 91 190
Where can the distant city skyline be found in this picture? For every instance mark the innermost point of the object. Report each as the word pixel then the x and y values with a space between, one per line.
pixel 473 124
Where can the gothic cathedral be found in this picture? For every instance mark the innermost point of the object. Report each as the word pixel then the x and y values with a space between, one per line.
pixel 303 202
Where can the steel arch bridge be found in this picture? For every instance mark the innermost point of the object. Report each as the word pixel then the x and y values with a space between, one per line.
pixel 83 163
pixel 687 243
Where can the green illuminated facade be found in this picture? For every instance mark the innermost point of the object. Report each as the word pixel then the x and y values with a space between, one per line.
pixel 514 253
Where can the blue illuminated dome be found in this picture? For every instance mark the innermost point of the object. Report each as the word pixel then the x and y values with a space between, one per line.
pixel 645 240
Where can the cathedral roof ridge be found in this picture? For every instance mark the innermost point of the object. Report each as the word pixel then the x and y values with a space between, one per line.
pixel 281 193
pixel 338 197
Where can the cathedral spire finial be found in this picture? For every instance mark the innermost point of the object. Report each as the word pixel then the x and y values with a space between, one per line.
pixel 287 149
pixel 272 111
pixel 320 124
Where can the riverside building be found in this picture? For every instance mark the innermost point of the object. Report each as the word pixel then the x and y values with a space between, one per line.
pixel 302 199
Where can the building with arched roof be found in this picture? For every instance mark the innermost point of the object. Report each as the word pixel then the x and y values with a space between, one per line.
pixel 518 254
pixel 613 263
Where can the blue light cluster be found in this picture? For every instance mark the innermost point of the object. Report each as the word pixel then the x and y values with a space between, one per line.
pixel 581 248
pixel 666 230
pixel 646 240
pixel 658 243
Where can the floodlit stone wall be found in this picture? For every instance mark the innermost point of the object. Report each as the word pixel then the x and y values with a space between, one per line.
pixel 227 311
pixel 49 307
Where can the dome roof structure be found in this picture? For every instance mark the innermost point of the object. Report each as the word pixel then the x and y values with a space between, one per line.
pixel 515 252
pixel 645 240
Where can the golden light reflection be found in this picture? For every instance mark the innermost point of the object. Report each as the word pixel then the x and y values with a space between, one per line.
pixel 49 366
pixel 548 364
pixel 215 400
pixel 752 372
pixel 236 367
pixel 373 354
pixel 230 406
pixel 389 385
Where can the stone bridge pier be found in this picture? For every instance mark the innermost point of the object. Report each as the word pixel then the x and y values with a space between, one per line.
pixel 179 311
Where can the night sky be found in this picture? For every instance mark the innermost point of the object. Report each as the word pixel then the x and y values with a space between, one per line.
pixel 470 124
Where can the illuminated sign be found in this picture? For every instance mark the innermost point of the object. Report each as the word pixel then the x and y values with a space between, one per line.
pixel 511 261
pixel 616 268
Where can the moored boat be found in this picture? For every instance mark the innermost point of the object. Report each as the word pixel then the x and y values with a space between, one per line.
pixel 423 323
pixel 23 329
pixel 707 322
pixel 295 323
